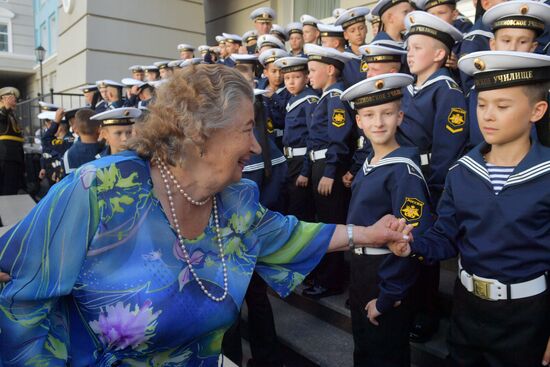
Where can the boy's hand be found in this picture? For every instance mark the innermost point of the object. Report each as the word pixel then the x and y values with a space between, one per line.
pixel 302 181
pixel 325 186
pixel 42 173
pixel 372 312
pixel 546 357
pixel 402 248
pixel 347 179
pixel 452 61
pixel 59 115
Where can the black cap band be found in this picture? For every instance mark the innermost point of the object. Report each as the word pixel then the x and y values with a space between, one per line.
pixel 375 99
pixel 117 122
pixel 434 33
pixel 332 34
pixel 510 78
pixel 295 30
pixel 432 3
pixel 390 4
pixel 290 69
pixel 382 58
pixel 520 22
pixel 327 60
pixel 353 21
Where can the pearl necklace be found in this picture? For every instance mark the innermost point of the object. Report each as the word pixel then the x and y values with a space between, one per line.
pixel 181 240
pixel 178 186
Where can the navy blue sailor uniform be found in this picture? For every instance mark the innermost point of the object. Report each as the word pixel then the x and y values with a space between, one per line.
pixel 101 106
pixel 394 185
pixel 435 121
pixel 80 153
pixel 53 149
pixel 298 111
pixel 355 69
pixel 463 24
pixel 475 40
pixel 275 107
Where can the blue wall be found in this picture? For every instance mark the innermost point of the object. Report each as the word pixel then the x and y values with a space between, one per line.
pixel 46 16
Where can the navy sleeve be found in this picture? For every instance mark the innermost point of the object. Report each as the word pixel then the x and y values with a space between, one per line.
pixel 309 107
pixel 410 200
pixel 340 126
pixel 49 135
pixel 450 135
pixel 360 156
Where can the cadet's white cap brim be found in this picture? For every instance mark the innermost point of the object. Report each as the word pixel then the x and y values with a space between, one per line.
pixel 131 81
pixel 118 114
pixel 485 61
pixel 46 115
pixel 530 9
pixel 351 16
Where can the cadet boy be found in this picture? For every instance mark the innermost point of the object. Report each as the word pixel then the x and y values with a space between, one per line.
pixel 298 115
pixel 392 15
pixel 87 146
pixel 374 21
pixel 355 30
pixel 263 19
pixel 102 104
pixel 151 73
pixel 495 214
pixel 279 32
pixel 116 128
pixel 309 28
pixel 296 39
pixel 137 72
pixel 329 137
pixel 232 44
pixel 516 26
pixel 186 51
pixel 164 70
pixel 390 182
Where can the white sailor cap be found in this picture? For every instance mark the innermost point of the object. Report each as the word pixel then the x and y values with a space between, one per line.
pixel 307 19
pixel 330 30
pixel 269 56
pixel 185 47
pixel 244 58
pixel 232 38
pixel 174 64
pixel 193 61
pixel 326 55
pixel 383 51
pixel 377 90
pixel 337 12
pixel 383 5
pixel 9 91
pixel 157 83
pixel 532 15
pixel 291 63
pixel 47 110
pixel 250 35
pixel 504 69
pixel 130 82
pixel 263 15
pixel 259 92
pixel 373 19
pixel 203 49
pixel 352 16
pixel 279 31
pixel 269 40
pixel 112 83
pixel 220 39
pixel 420 22
pixel 150 68
pixel 136 68
pixel 294 27
pixel 88 88
pixel 215 49
pixel 162 64
pixel 428 4
pixel 117 116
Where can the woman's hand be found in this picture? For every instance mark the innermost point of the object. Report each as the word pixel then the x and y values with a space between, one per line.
pixel 388 229
pixel 4 277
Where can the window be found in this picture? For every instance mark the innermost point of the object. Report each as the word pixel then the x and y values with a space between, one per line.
pixel 4 38
pixel 44 37
pixel 320 9
pixel 53 34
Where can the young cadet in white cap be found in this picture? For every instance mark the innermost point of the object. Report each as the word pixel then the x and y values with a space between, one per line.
pixel 232 44
pixel 435 122
pixel 137 72
pixel 250 38
pixel 296 39
pixel 329 137
pixel 165 71
pixel 116 128
pixel 390 182
pixel 114 95
pixel 516 26
pixel 279 32
pixel 91 95
pixel 446 10
pixel 374 21
pixel 495 215
pixel 277 96
pixel 186 51
pixel 309 28
pixel 151 73
pixel 263 19
pixel 392 15
pixel 355 31
pixel 268 41
pixel 102 104
pixel 298 117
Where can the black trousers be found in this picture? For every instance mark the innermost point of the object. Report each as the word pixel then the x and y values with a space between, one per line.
pixel 12 177
pixel 299 200
pixel 330 273
pixel 425 292
pixel 511 333
pixel 261 329
pixel 385 345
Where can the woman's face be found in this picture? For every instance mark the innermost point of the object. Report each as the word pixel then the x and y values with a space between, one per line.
pixel 228 150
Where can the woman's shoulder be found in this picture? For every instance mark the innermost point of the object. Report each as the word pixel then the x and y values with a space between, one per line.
pixel 245 191
pixel 241 205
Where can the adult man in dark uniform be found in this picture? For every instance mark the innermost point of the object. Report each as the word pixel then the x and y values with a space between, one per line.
pixel 12 166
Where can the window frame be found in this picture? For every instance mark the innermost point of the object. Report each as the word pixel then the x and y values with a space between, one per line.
pixel 5 18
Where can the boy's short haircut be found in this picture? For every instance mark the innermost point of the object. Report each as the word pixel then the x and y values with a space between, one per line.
pixel 84 125
pixel 537 92
pixel 245 68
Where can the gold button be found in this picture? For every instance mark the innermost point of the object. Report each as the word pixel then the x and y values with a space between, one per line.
pixel 420 258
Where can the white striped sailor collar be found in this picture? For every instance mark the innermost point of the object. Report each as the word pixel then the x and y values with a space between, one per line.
pixel 535 164
pixel 440 74
pixel 405 155
pixel 301 97
pixel 336 87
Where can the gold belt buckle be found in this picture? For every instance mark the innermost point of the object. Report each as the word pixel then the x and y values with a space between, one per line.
pixel 482 288
pixel 286 151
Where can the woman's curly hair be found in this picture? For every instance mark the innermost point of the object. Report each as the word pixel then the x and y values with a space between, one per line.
pixel 191 104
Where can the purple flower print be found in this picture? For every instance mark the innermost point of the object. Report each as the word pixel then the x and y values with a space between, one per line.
pixel 196 260
pixel 87 176
pixel 120 328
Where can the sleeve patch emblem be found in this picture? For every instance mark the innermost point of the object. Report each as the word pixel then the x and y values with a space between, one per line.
pixel 339 117
pixel 364 66
pixel 456 120
pixel 412 209
pixel 269 125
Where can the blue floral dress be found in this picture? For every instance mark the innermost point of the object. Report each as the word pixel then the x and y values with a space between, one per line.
pixel 99 278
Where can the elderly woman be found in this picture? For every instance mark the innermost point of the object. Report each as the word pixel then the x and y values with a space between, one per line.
pixel 143 258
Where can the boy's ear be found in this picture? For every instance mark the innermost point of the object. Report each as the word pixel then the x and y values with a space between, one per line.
pixel 400 116
pixel 492 44
pixel 538 111
pixel 533 46
pixel 440 54
pixel 455 13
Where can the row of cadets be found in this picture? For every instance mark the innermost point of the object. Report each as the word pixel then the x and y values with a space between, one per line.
pixel 495 215
pixel 310 30
pixel 116 128
pixel 276 97
pixel 353 23
pixel 299 109
pixel 381 57
pixel 329 136
pixel 390 182
pixel 436 123
pixel 516 26
pixel 186 51
pixel 392 15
